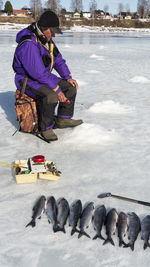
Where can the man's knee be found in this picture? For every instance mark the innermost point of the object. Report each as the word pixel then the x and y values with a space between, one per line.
pixel 50 95
pixel 67 88
pixel 72 91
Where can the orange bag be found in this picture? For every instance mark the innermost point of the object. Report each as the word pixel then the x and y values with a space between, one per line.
pixel 26 110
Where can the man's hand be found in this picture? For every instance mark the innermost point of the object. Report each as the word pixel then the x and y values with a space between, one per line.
pixel 61 97
pixel 73 82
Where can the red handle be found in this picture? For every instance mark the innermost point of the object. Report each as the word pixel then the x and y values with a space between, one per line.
pixel 68 101
pixel 38 158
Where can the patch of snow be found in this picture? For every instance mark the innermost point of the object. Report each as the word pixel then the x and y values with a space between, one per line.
pixel 110 107
pixel 139 79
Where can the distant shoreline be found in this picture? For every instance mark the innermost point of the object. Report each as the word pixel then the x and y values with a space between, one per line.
pixel 110 25
pixel 6 26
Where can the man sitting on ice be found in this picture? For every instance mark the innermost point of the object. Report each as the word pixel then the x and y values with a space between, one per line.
pixel 35 57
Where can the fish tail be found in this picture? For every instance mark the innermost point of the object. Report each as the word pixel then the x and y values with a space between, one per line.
pixel 57 228
pixel 121 242
pixel 81 233
pixel 32 223
pixel 146 244
pixel 129 245
pixel 109 240
pixel 132 246
pixel 74 231
pixel 98 236
pixel 62 230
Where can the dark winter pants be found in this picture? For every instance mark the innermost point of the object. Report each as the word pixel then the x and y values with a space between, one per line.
pixel 48 102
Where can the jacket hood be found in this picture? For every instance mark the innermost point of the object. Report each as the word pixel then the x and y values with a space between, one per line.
pixel 22 33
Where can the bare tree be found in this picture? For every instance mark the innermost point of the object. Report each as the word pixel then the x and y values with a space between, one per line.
pixel 120 8
pixel 127 9
pixel 106 8
pixel 93 7
pixel 54 5
pixel 143 8
pixel 148 6
pixel 36 8
pixel 1 4
pixel 76 5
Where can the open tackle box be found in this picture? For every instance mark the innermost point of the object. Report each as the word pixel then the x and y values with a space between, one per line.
pixel 28 171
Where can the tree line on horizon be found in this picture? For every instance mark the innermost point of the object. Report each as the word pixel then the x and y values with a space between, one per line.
pixel 143 7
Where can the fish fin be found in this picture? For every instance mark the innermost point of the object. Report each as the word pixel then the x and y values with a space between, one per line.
pixel 95 237
pixel 74 231
pixel 32 223
pixel 81 233
pixel 121 242
pixel 126 245
pixel 109 240
pixel 98 236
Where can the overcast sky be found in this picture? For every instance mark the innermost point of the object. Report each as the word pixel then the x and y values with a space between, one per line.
pixel 112 4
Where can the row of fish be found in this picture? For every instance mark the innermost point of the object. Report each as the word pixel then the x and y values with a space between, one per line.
pixel 58 213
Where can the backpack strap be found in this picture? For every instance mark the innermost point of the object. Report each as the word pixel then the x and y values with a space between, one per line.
pixel 24 86
pixel 24 39
pixel 21 41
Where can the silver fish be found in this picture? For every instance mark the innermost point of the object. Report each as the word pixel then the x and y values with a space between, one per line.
pixel 134 229
pixel 51 211
pixel 86 218
pixel 123 224
pixel 111 223
pixel 63 212
pixel 145 229
pixel 98 221
pixel 38 209
pixel 75 213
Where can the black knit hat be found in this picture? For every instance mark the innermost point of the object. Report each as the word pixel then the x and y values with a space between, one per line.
pixel 49 20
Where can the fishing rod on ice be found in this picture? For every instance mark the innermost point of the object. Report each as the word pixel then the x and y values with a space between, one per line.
pixel 13 165
pixel 103 195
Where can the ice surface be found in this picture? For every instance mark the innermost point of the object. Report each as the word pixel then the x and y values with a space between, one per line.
pixel 110 152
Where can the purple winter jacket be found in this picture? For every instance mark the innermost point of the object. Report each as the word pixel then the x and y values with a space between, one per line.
pixel 28 61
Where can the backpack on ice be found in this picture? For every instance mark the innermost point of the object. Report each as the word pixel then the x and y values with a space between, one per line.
pixel 26 110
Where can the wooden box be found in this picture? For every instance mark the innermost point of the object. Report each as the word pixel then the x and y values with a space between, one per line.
pixel 48 175
pixel 23 178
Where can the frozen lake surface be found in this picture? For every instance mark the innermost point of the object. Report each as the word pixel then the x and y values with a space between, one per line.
pixel 110 152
